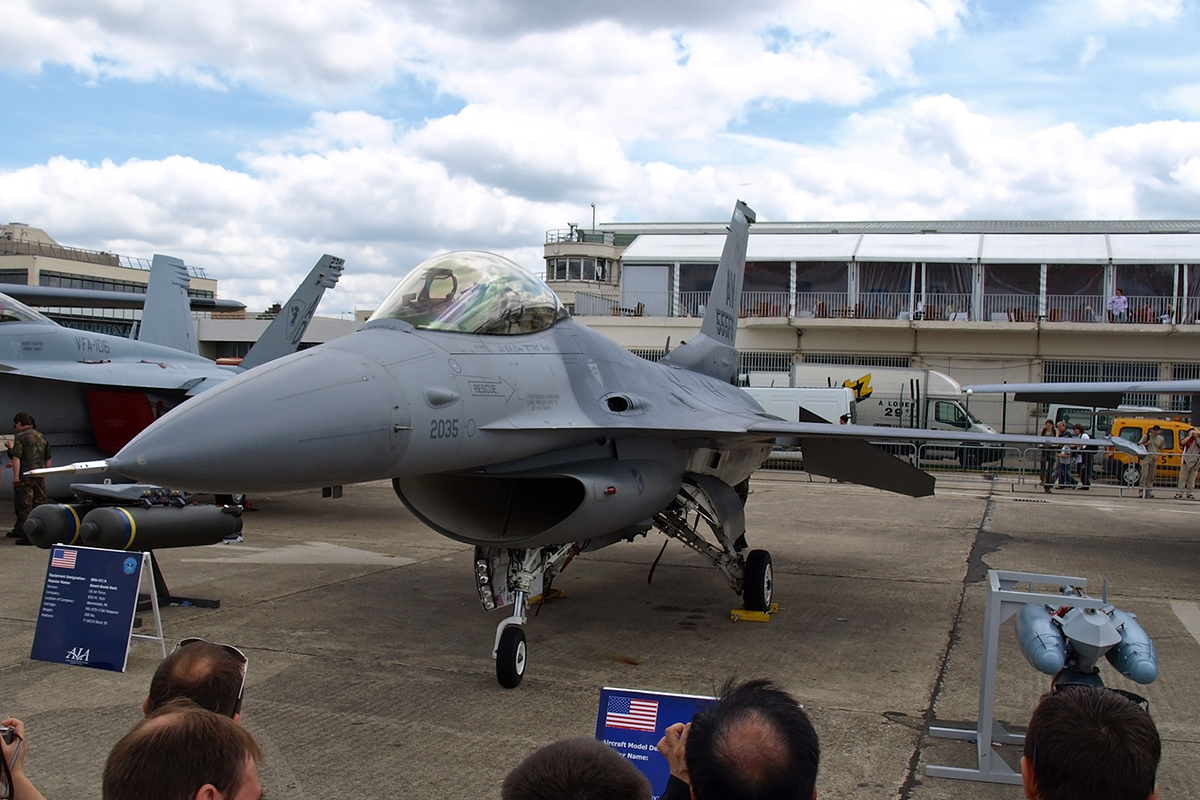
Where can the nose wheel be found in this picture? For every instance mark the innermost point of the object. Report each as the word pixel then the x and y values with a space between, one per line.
pixel 511 655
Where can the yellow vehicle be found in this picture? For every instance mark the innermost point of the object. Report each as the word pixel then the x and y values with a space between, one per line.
pixel 1134 428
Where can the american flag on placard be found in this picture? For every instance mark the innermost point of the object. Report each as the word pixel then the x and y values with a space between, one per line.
pixel 61 557
pixel 631 714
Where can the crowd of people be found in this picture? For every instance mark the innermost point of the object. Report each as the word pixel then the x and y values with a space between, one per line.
pixel 1062 462
pixel 1068 465
pixel 754 743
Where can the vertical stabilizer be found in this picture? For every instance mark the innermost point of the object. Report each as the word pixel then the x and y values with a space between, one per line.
pixel 167 314
pixel 284 333
pixel 712 351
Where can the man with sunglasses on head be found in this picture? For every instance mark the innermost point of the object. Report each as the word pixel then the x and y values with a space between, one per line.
pixel 211 675
pixel 1090 743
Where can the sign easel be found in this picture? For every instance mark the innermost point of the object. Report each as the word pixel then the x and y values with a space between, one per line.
pixel 88 605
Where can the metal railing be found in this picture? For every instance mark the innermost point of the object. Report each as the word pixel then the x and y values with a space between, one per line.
pixel 1010 307
pixel 820 305
pixel 1146 309
pixel 579 235
pixel 946 307
pixel 594 305
pixel 884 305
pixel 894 305
pixel 1076 308
pixel 14 247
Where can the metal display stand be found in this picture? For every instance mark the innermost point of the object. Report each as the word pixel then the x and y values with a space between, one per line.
pixel 148 571
pixel 1003 601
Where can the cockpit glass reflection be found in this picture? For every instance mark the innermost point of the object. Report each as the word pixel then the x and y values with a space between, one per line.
pixel 15 311
pixel 472 291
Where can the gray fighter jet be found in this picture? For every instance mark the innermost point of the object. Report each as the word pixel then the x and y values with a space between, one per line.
pixel 505 424
pixel 91 393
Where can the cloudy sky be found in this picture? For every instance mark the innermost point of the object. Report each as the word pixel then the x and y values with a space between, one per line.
pixel 250 136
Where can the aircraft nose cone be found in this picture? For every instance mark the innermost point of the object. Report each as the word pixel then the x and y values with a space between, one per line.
pixel 320 417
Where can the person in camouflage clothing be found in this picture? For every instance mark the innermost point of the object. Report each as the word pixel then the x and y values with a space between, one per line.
pixel 29 450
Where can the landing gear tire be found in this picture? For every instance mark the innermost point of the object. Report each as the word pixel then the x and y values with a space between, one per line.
pixel 511 656
pixel 759 581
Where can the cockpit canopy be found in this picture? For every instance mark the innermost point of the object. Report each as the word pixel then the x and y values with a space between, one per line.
pixel 15 311
pixel 470 291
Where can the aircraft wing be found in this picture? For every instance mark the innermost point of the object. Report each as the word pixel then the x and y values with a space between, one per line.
pixel 96 298
pixel 1101 394
pixel 844 452
pixel 133 374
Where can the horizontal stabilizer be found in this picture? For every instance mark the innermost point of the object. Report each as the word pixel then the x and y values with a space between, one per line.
pixel 858 461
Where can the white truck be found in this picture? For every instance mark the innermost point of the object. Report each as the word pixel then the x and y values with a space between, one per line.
pixel 830 404
pixel 905 398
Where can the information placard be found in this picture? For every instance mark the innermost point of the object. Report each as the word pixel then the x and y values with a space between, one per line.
pixel 632 721
pixel 87 610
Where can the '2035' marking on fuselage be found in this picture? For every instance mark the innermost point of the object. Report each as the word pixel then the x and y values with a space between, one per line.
pixel 443 429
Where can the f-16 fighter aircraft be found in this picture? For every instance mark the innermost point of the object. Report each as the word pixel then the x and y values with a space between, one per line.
pixel 91 393
pixel 505 424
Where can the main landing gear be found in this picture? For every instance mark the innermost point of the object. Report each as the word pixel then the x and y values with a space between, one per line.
pixel 706 499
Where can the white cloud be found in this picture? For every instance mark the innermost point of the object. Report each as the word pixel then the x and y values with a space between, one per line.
pixel 1139 11
pixel 386 198
pixel 608 65
pixel 1091 48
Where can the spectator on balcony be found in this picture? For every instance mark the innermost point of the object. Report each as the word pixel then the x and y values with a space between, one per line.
pixel 1118 306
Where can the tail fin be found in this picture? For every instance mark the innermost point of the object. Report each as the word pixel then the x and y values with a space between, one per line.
pixel 167 314
pixel 712 351
pixel 284 333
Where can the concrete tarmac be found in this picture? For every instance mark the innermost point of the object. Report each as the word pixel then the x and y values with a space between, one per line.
pixel 370 672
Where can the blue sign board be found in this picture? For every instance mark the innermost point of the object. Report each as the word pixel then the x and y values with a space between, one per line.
pixel 87 609
pixel 631 722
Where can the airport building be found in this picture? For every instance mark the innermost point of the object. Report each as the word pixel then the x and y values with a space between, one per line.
pixel 985 302
pixel 30 256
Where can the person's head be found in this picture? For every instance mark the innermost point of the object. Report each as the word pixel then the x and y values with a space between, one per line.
pixel 1078 429
pixel 213 676
pixel 755 743
pixel 1120 293
pixel 22 421
pixel 1061 426
pixel 1048 424
pixel 1154 429
pixel 184 752
pixel 1090 743
pixel 581 769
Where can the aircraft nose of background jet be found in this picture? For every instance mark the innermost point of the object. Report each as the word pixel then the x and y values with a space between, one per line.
pixel 321 417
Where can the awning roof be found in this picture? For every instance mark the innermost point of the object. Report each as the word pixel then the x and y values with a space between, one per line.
pixel 1044 248
pixel 954 247
pixel 1150 248
pixel 660 248
pixel 990 248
